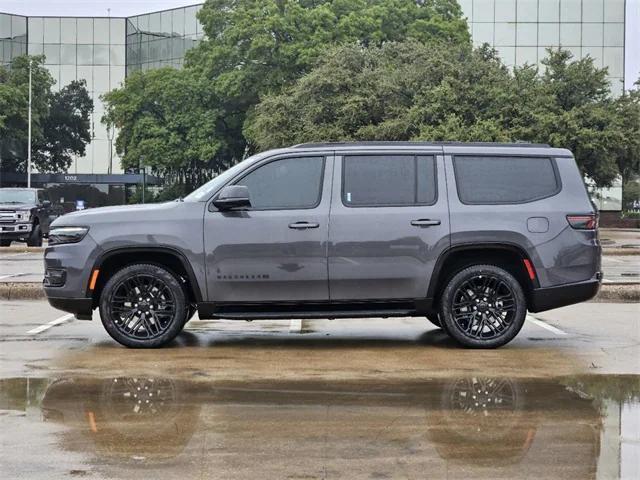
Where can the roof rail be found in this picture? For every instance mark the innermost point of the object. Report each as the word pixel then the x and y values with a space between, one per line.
pixel 419 144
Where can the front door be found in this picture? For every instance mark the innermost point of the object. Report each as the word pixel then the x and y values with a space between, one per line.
pixel 389 223
pixel 275 251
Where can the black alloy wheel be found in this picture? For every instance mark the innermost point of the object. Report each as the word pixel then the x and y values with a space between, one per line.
pixel 483 306
pixel 143 306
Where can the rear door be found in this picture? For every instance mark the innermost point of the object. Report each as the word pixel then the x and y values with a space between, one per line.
pixel 389 222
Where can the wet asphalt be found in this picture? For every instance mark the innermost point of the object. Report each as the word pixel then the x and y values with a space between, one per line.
pixel 344 399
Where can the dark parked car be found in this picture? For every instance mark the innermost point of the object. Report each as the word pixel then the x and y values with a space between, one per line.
pixel 468 235
pixel 25 216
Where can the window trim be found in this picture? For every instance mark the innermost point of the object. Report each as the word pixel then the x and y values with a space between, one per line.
pixel 415 155
pixel 552 160
pixel 253 168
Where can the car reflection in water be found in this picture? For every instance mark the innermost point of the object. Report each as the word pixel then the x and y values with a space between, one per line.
pixel 468 427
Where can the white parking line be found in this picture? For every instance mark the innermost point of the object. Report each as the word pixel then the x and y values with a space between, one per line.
pixel 546 326
pixel 295 326
pixel 52 323
pixel 12 275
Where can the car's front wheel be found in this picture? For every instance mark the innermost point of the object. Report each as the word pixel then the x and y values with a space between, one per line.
pixel 35 238
pixel 483 306
pixel 143 306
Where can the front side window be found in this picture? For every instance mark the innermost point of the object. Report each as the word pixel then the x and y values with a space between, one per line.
pixel 289 183
pixel 502 180
pixel 388 180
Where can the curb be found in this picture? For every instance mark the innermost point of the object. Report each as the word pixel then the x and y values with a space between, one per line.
pixel 620 251
pixel 609 292
pixel 22 249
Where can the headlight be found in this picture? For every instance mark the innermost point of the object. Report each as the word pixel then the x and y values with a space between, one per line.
pixel 59 235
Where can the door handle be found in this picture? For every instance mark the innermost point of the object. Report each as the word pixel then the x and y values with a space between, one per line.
pixel 303 225
pixel 425 222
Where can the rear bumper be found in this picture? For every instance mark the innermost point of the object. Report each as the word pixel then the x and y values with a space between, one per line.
pixel 548 298
pixel 80 307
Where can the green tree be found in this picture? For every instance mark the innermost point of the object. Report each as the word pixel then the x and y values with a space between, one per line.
pixel 60 120
pixel 627 122
pixel 170 119
pixel 418 91
pixel 14 109
pixel 65 130
pixel 256 47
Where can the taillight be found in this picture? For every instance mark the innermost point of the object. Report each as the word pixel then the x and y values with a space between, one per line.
pixel 583 222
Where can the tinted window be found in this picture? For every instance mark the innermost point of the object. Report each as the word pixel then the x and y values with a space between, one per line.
pixel 286 183
pixel 379 180
pixel 504 179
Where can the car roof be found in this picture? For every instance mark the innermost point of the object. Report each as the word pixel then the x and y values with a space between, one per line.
pixel 461 148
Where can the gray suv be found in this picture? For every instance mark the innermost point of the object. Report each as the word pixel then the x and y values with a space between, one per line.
pixel 470 236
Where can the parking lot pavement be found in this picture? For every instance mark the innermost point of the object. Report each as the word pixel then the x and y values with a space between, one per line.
pixel 29 267
pixel 21 267
pixel 365 398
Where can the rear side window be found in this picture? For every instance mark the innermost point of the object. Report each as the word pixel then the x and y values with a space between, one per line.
pixel 388 180
pixel 289 183
pixel 491 180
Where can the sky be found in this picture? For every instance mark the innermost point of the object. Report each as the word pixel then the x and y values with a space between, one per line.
pixel 124 8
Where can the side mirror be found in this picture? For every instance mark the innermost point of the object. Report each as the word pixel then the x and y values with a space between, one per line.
pixel 46 203
pixel 232 196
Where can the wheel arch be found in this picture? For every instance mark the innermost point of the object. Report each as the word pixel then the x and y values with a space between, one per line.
pixel 172 259
pixel 508 256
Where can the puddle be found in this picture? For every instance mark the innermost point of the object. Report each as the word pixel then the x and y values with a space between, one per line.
pixel 470 427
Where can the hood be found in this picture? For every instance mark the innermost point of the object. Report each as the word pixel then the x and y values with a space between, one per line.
pixel 16 206
pixel 122 213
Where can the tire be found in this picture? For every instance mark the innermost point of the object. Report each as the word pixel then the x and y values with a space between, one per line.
pixel 5 243
pixel 483 306
pixel 35 239
pixel 152 322
pixel 190 312
pixel 433 318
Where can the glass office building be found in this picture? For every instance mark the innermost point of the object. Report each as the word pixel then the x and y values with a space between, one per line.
pixel 522 30
pixel 13 37
pixel 162 38
pixel 103 51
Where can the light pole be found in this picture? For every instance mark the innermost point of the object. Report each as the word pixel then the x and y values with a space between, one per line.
pixel 29 133
pixel 110 137
pixel 144 177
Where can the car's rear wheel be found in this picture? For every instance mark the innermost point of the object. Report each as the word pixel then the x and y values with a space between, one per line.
pixel 483 306
pixel 143 306
pixel 5 243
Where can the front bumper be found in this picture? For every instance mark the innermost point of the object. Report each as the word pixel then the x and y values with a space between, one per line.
pixel 80 307
pixel 15 231
pixel 548 298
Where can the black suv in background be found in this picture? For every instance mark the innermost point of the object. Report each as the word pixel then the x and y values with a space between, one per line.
pixel 25 216
pixel 469 235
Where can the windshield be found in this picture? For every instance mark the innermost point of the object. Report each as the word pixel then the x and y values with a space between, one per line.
pixel 18 196
pixel 205 191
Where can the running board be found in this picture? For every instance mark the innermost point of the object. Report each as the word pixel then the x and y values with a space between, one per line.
pixel 209 310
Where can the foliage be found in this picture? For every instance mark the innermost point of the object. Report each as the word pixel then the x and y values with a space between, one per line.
pixel 630 194
pixel 256 47
pixel 427 91
pixel 169 118
pixel 66 128
pixel 60 120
